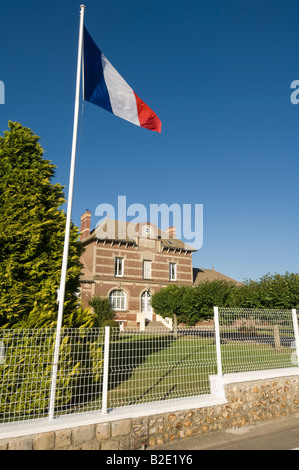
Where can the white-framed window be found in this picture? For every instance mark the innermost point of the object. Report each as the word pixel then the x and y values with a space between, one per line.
pixel 147 269
pixel 172 272
pixel 117 300
pixel 119 267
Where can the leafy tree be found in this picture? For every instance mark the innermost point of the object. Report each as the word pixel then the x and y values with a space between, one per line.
pixel 208 295
pixel 191 304
pixel 102 312
pixel 32 227
pixel 277 291
pixel 247 296
pixel 171 301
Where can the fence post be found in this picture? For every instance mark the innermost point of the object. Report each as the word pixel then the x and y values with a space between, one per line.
pixel 54 373
pixel 296 332
pixel 106 370
pixel 217 337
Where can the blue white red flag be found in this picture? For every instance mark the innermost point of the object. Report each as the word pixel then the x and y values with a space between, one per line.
pixel 104 87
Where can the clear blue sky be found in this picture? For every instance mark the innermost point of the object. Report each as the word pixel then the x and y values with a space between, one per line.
pixel 218 75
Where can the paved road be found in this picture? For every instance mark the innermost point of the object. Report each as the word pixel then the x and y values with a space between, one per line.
pixel 280 434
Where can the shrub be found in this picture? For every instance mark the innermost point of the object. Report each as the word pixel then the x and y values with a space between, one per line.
pixel 115 328
pixel 26 371
pixel 101 310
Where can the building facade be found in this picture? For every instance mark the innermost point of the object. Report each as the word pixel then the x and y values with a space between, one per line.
pixel 128 262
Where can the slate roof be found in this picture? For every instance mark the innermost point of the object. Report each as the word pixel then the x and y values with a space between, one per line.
pixel 201 275
pixel 129 232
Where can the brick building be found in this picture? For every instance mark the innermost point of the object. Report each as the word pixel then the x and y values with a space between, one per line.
pixel 128 262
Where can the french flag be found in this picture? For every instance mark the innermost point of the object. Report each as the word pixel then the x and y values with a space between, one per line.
pixel 103 86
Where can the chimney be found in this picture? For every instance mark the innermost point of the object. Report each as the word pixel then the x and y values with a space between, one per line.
pixel 85 224
pixel 171 232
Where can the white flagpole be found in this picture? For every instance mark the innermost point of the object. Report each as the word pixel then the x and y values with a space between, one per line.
pixel 68 221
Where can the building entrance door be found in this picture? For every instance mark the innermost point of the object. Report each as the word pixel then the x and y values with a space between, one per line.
pixel 146 305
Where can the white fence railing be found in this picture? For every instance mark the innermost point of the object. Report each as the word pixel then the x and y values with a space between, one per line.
pixel 257 339
pixel 104 368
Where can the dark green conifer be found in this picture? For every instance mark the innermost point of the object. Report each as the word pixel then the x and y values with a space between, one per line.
pixel 32 226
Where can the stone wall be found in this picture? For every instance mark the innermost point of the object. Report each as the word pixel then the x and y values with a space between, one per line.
pixel 247 403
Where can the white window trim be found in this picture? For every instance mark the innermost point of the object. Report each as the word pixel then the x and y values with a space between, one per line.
pixel 172 271
pixel 147 273
pixel 118 263
pixel 117 299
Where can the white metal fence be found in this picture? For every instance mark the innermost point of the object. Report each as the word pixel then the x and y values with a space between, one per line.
pixel 26 367
pixel 257 339
pixel 160 365
pixel 104 368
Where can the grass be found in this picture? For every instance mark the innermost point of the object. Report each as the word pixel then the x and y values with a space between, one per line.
pixel 181 368
pixel 241 357
pixel 142 368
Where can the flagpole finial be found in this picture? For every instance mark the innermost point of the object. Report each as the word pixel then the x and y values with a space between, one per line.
pixel 82 6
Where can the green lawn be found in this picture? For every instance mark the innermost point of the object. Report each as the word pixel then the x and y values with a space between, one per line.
pixel 142 368
pixel 146 369
pixel 240 357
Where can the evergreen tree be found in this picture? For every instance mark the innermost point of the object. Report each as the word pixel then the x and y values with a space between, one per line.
pixel 32 227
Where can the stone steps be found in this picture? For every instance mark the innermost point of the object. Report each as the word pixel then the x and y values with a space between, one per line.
pixel 155 325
